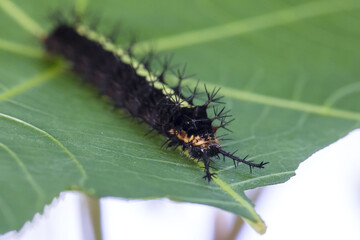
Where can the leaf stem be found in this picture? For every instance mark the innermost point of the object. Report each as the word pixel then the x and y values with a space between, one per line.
pixel 91 219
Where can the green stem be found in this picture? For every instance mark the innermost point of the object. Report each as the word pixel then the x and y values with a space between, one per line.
pixel 90 212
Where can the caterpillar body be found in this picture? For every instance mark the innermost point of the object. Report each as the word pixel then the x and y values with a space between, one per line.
pixel 132 86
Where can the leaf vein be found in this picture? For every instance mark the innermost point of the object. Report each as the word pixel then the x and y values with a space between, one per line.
pixel 287 104
pixel 66 150
pixel 80 6
pixel 342 93
pixel 22 166
pixel 38 79
pixel 276 18
pixel 21 18
pixel 203 200
pixel 171 179
pixel 242 184
pixel 20 49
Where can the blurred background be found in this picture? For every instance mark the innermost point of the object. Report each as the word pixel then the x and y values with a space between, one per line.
pixel 321 202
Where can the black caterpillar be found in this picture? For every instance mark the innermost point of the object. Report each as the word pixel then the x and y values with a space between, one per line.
pixel 132 86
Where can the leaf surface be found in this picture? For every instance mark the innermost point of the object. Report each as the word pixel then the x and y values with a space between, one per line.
pixel 289 73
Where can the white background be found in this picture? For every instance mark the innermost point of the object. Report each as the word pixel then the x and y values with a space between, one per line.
pixel 321 202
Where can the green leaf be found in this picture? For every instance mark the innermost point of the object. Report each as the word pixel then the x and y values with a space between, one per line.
pixel 288 71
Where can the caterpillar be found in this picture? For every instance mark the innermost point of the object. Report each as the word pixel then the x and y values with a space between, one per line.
pixel 144 94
